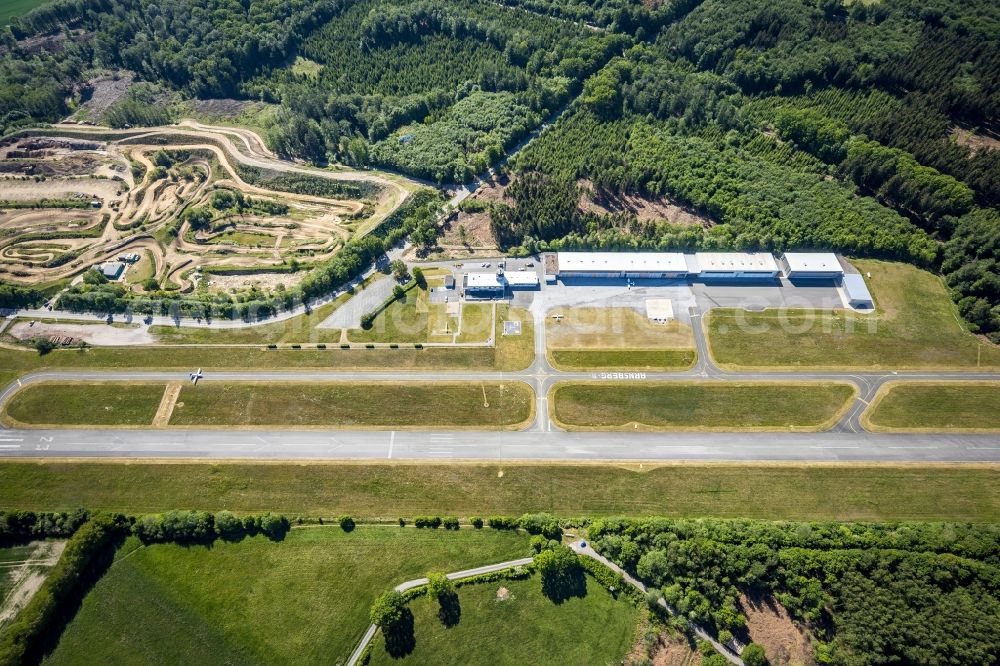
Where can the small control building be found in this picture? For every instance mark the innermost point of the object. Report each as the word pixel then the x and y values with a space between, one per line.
pixel 856 291
pixel 483 285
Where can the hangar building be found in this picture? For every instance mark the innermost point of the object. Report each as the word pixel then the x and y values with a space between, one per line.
pixel 736 265
pixel 857 292
pixel 520 279
pixel 810 265
pixel 647 265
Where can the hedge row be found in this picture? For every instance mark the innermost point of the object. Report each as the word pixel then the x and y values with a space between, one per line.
pixel 20 526
pixel 26 637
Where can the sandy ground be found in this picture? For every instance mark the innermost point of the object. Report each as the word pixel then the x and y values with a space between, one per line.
pixel 975 141
pixel 97 334
pixel 644 209
pixel 28 577
pixel 264 281
pixel 770 626
pixel 58 188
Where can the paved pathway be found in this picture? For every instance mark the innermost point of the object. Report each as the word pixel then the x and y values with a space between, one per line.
pixel 583 548
pixel 417 582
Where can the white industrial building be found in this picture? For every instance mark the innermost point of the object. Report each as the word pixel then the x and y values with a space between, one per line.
pixel 857 293
pixel 483 284
pixel 112 270
pixel 736 265
pixel 810 265
pixel 520 279
pixel 648 265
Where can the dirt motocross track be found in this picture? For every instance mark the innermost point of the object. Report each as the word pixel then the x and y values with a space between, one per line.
pixel 56 225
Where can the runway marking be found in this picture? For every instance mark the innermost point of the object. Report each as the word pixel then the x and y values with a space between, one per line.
pixel 11 439
pixel 392 441
pixel 10 446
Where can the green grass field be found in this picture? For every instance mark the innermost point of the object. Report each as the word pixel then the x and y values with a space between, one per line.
pixel 623 359
pixel 85 404
pixel 301 329
pixel 526 628
pixel 364 404
pixel 511 353
pixel 588 338
pixel 302 600
pixel 698 405
pixel 11 8
pixel 355 404
pixel 415 319
pixel 915 326
pixel 936 406
pixel 372 490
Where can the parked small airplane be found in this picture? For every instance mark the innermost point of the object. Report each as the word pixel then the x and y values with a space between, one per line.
pixel 195 376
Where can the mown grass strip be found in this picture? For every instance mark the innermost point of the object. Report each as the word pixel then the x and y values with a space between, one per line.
pixel 935 406
pixel 357 404
pixel 651 360
pixel 731 406
pixel 91 404
pixel 772 492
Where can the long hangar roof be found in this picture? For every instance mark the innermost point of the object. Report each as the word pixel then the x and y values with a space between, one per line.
pixel 756 262
pixel 622 262
pixel 815 262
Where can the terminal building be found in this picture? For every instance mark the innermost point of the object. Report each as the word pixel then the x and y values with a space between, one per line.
pixel 483 285
pixel 810 265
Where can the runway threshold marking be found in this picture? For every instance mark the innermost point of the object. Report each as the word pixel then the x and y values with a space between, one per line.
pixel 392 441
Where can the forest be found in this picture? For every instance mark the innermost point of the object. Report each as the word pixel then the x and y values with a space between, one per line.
pixel 790 125
pixel 866 128
pixel 917 593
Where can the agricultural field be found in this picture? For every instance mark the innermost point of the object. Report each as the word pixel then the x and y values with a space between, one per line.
pixel 303 599
pixel 964 493
pixel 730 406
pixel 356 405
pixel 616 338
pixel 914 326
pixel 592 629
pixel 935 406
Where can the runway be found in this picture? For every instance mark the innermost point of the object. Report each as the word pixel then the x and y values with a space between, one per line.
pixel 501 447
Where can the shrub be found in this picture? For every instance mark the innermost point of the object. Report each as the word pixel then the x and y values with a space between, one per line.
pixel 450 523
pixel 387 609
pixel 476 522
pixel 418 277
pixel 438 584
pixel 753 655
pixel 725 636
pixel 541 523
pixel 274 527
pixel 398 293
pixel 228 525
pixel 433 522
pixel 346 523
pixel 367 319
pixel 43 345
pixel 402 522
pixel 502 523
pixel 562 574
